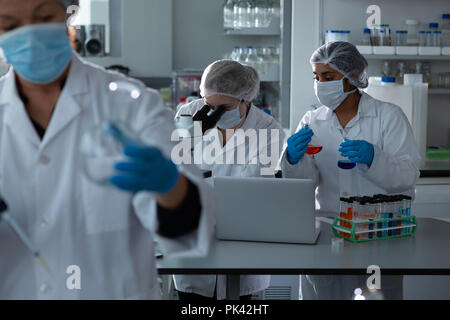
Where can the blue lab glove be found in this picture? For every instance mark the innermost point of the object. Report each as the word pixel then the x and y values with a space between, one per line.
pixel 358 151
pixel 147 169
pixel 298 144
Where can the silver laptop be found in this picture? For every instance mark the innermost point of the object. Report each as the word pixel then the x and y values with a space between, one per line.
pixel 265 209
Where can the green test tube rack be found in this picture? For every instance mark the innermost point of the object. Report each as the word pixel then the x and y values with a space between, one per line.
pixel 407 228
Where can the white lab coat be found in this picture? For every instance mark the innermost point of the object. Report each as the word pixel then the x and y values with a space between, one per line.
pixel 395 167
pixel 107 233
pixel 256 119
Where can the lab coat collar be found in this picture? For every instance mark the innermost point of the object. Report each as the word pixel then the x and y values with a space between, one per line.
pixel 67 107
pixel 66 110
pixel 14 114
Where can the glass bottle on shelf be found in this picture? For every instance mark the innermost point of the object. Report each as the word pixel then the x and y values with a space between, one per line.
pixel 445 29
pixel 242 56
pixel 426 72
pixel 365 41
pixel 243 18
pixel 235 54
pixel 386 72
pixel 261 11
pixel 275 8
pixel 228 14
pixel 401 70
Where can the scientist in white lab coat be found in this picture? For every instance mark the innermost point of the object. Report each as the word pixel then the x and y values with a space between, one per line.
pixel 231 85
pixel 102 236
pixel 378 138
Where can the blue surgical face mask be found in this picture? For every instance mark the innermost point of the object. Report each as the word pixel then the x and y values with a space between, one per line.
pixel 331 93
pixel 39 53
pixel 230 119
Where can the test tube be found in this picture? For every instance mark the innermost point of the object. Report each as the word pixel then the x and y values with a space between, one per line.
pixel 429 38
pixel 363 216
pixel 384 35
pixel 343 213
pixel 436 38
pixel 408 210
pixel 374 41
pixel 389 214
pixel 371 210
pixel 350 212
pixel 422 38
pixel 355 210
pixel 379 216
pixel 401 37
pixel 398 213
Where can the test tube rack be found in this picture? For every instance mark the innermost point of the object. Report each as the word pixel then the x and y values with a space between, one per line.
pixel 364 231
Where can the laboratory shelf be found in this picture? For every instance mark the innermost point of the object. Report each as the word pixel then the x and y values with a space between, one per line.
pixel 274 29
pixel 439 91
pixel 404 57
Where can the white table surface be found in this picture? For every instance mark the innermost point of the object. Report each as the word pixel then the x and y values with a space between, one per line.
pixel 427 252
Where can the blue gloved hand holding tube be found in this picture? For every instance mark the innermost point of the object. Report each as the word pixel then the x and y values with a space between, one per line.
pixel 298 144
pixel 147 168
pixel 358 151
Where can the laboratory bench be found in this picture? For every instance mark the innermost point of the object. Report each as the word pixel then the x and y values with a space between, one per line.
pixel 425 253
pixel 435 169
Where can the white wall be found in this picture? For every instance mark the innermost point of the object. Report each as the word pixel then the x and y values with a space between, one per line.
pixel 146 38
pixel 304 42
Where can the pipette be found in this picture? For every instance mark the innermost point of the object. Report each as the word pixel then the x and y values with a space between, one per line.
pixel 21 235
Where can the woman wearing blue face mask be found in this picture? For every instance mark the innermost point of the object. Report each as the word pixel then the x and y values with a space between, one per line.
pixel 48 99
pixel 232 86
pixel 377 137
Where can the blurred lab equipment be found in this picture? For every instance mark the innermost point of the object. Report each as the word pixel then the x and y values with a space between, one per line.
pixel 244 14
pixel 101 151
pixel 266 60
pixel 413 28
pixel 401 70
pixel 94 46
pixel 445 29
pixel 384 35
pixel 365 40
pixel 80 39
pixel 444 80
pixel 185 83
pixel 119 68
pixel 401 38
pixel 228 14
pixel 21 235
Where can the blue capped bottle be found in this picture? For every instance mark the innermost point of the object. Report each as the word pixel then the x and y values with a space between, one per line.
pixel 348 178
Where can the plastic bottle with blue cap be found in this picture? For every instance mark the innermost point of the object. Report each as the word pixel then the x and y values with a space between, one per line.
pixel 388 81
pixel 365 41
pixel 445 29
pixel 401 38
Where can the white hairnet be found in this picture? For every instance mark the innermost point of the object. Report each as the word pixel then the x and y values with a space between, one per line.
pixel 67 3
pixel 345 58
pixel 231 78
